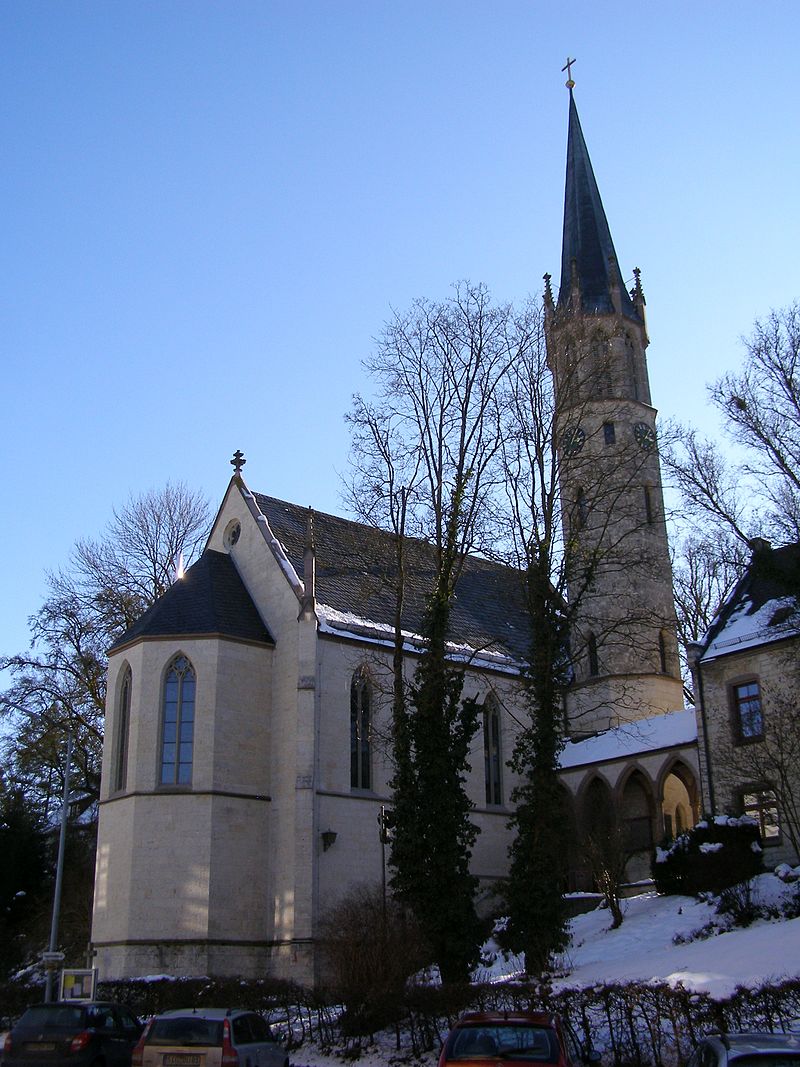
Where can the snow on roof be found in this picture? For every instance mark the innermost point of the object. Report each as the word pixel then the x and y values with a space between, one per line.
pixel 356 628
pixel 748 627
pixel 644 735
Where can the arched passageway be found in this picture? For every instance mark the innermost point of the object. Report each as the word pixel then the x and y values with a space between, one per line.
pixel 636 813
pixel 679 801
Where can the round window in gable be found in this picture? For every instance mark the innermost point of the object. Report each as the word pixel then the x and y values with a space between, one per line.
pixel 231 535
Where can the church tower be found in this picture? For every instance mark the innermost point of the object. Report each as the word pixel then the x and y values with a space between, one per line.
pixel 619 578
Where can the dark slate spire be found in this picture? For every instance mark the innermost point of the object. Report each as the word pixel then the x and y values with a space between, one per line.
pixel 588 261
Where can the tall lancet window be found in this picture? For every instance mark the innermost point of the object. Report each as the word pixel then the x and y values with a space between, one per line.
pixel 491 752
pixel 360 730
pixel 177 728
pixel 119 778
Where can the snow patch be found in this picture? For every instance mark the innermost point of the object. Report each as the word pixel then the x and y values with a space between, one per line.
pixel 644 735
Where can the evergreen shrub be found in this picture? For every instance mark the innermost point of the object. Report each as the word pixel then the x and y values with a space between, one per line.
pixel 719 852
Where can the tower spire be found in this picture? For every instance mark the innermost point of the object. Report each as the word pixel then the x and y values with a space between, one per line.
pixel 588 256
pixel 623 628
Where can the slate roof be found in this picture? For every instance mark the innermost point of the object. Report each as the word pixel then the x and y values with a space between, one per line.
pixel 355 567
pixel 587 238
pixel 764 606
pixel 209 599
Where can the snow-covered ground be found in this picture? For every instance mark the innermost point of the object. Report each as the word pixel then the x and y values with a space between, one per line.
pixel 645 948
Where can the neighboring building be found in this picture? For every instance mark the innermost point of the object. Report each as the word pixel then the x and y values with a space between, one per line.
pixel 747 684
pixel 245 762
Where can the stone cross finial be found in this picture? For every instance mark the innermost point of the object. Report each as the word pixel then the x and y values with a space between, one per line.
pixel 238 462
pixel 570 84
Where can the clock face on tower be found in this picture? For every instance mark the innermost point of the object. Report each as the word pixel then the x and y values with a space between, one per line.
pixel 573 440
pixel 645 435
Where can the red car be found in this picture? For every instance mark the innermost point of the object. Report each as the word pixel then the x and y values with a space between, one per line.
pixel 517 1036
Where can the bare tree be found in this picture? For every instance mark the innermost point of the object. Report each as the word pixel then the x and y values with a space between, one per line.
pixel 425 465
pixel 59 683
pixel 134 562
pixel 761 406
pixel 757 492
pixel 703 577
pixel 604 845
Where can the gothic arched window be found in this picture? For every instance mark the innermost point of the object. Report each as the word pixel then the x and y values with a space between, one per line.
pixel 662 651
pixel 119 776
pixel 360 730
pixel 177 725
pixel 594 666
pixel 601 369
pixel 491 752
pixel 633 370
pixel 581 509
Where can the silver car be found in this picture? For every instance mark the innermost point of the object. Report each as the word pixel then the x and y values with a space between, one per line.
pixel 209 1037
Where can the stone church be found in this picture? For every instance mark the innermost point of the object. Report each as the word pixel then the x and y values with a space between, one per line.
pixel 245 765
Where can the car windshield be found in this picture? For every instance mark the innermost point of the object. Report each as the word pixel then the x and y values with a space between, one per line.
pixel 53 1017
pixel 513 1041
pixel 186 1030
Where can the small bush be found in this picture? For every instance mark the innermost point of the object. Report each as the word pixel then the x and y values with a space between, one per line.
pixel 717 853
pixel 370 945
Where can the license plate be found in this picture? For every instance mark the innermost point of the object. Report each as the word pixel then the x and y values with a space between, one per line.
pixel 40 1046
pixel 182 1059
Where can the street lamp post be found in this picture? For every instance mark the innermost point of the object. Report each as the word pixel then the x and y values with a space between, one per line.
pixel 51 957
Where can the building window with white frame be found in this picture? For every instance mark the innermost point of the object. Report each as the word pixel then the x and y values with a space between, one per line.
pixel 493 767
pixel 748 719
pixel 177 724
pixel 762 805
pixel 360 730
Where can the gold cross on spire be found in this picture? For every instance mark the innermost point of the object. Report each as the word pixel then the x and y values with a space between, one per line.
pixel 570 84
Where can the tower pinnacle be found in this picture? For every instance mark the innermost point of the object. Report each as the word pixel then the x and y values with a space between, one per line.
pixel 570 84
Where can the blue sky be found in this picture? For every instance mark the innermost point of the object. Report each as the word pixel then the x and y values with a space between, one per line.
pixel 211 208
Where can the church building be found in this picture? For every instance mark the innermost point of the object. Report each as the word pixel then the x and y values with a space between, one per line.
pixel 246 767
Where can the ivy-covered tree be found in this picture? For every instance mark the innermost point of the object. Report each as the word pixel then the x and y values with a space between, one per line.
pixel 425 465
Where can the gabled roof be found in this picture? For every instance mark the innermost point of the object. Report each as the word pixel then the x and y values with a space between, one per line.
pixel 209 599
pixel 587 238
pixel 764 606
pixel 356 570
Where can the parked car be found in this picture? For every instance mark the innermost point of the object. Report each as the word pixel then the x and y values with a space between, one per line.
pixel 74 1034
pixel 747 1050
pixel 519 1037
pixel 209 1037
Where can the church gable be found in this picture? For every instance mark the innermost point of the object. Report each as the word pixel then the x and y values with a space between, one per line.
pixel 763 607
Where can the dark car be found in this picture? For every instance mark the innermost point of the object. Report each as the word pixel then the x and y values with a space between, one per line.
pixel 72 1034
pixel 518 1037
pixel 747 1050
